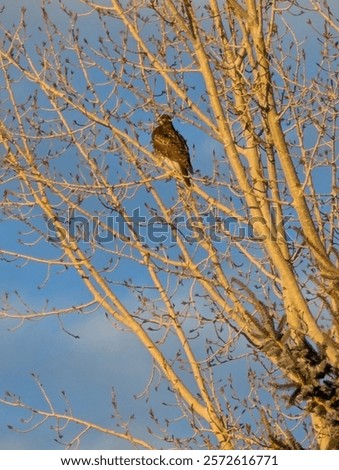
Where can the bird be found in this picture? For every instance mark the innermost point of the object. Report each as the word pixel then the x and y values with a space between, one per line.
pixel 169 143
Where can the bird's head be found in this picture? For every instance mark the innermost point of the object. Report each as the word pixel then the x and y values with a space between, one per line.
pixel 164 119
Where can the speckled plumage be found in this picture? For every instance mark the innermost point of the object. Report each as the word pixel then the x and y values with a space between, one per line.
pixel 169 143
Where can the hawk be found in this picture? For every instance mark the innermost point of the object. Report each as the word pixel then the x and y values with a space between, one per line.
pixel 168 142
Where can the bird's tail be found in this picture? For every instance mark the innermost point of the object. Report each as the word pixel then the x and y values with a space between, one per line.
pixel 185 174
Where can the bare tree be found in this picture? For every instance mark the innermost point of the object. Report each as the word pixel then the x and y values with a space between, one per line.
pixel 239 271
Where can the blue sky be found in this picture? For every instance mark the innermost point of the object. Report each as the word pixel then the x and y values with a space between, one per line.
pixel 101 356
